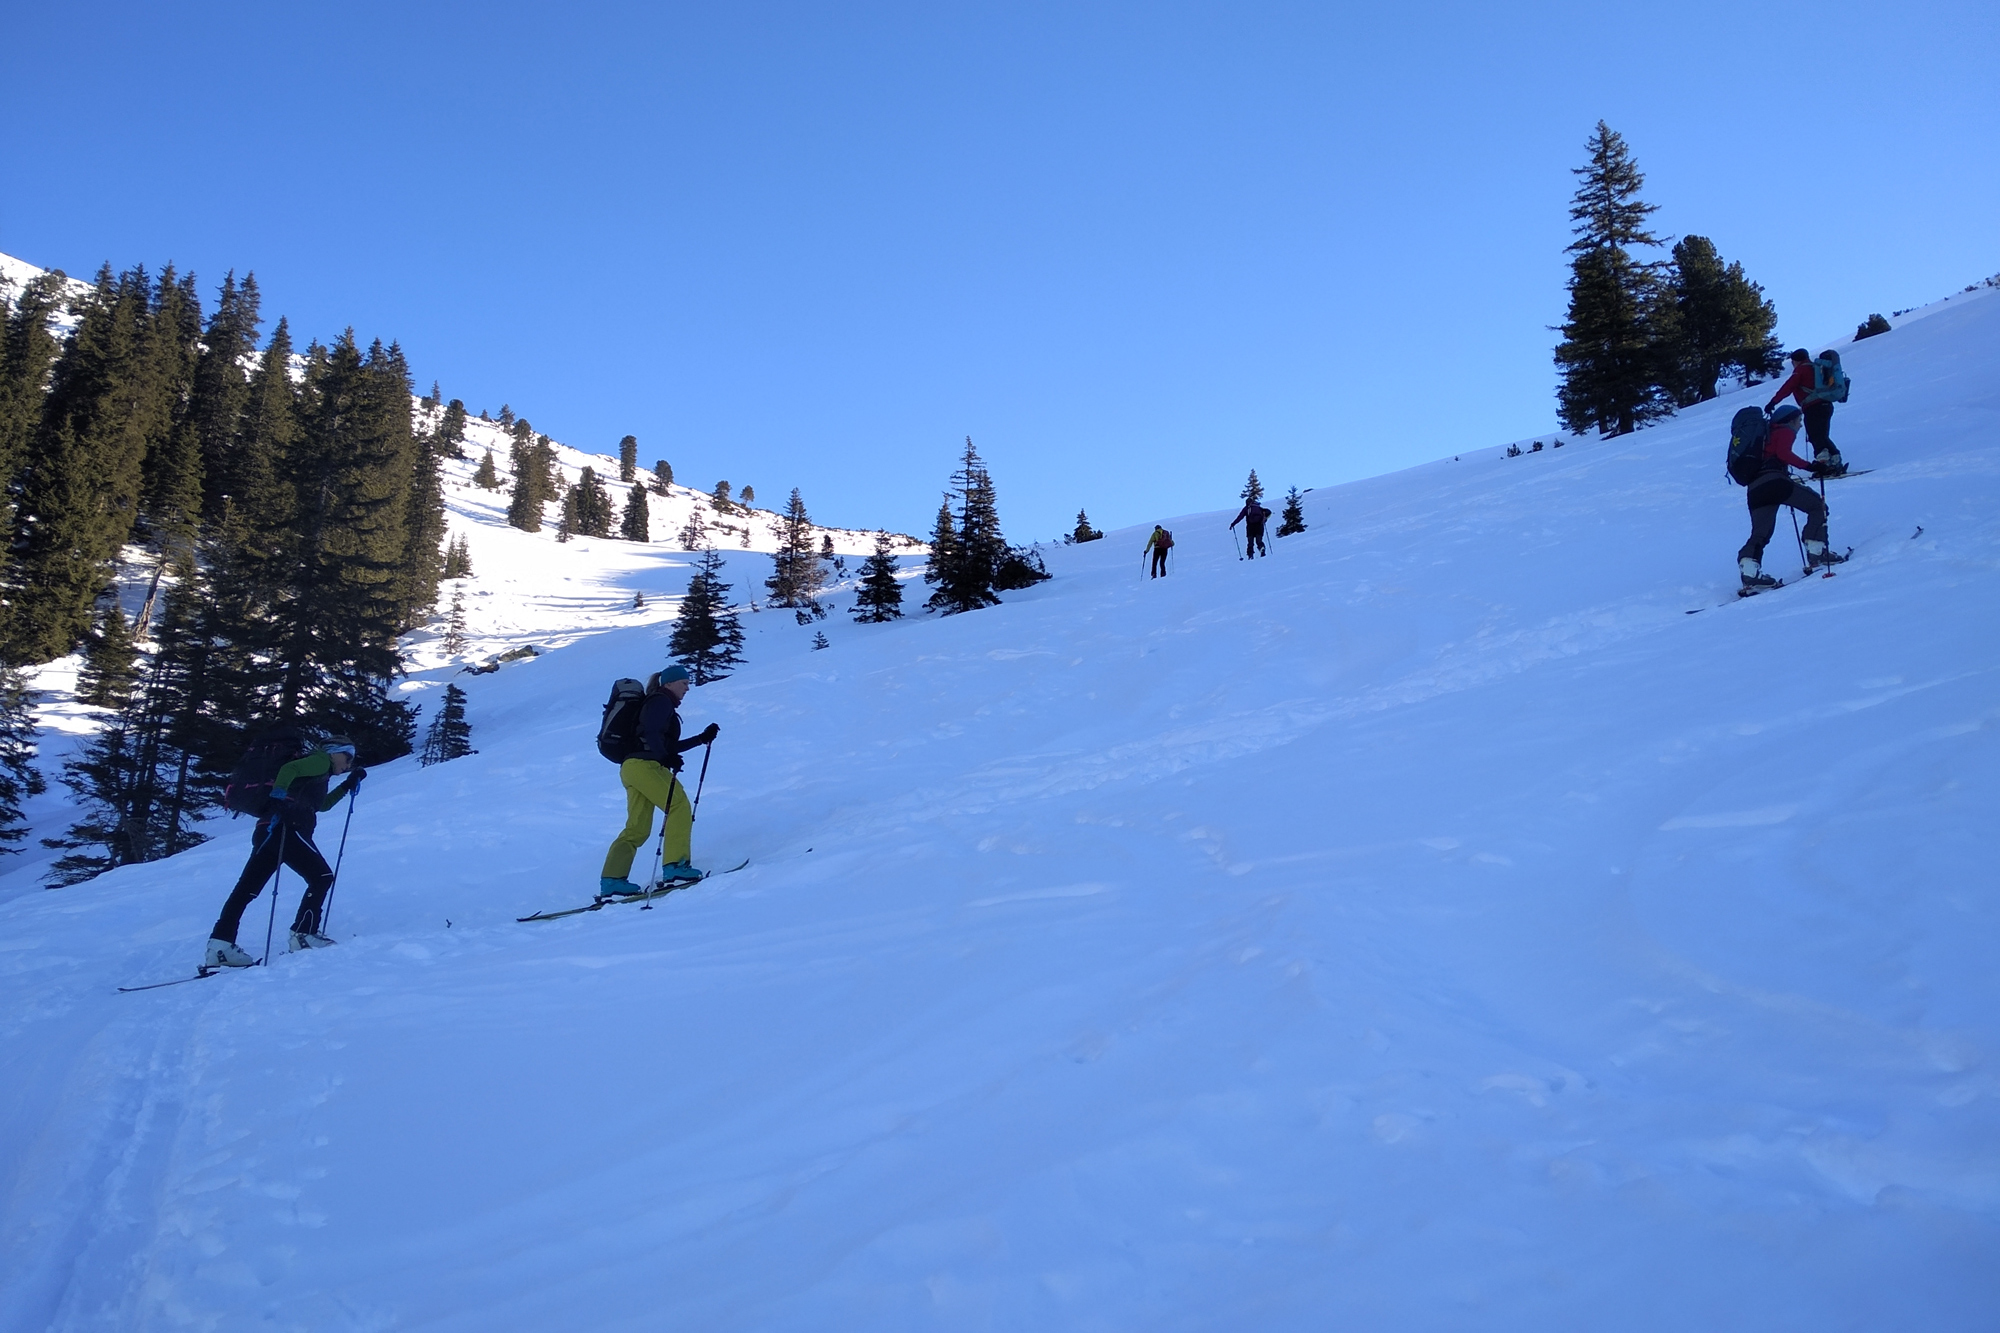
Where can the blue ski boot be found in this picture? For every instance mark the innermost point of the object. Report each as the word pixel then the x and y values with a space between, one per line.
pixel 618 888
pixel 675 873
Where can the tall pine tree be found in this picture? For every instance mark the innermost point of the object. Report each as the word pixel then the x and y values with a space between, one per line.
pixel 450 735
pixel 628 458
pixel 706 636
pixel 797 573
pixel 968 554
pixel 634 525
pixel 1712 319
pixel 880 596
pixel 1608 355
pixel 19 778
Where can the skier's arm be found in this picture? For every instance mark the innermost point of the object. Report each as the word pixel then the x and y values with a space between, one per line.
pixel 1801 378
pixel 315 765
pixel 700 738
pixel 1782 449
pixel 1239 516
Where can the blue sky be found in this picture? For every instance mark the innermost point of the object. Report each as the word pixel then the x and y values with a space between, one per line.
pixel 1133 250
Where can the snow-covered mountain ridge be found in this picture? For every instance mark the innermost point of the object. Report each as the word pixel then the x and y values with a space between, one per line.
pixel 1434 926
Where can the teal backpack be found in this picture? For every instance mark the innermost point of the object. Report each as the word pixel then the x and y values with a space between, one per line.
pixel 1829 380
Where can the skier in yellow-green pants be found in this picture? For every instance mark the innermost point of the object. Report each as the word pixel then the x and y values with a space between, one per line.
pixel 649 776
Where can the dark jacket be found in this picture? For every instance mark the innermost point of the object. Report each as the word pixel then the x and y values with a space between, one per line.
pixel 660 731
pixel 1257 515
pixel 301 786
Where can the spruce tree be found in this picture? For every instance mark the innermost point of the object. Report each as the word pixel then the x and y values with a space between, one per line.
pixel 968 553
pixel 28 352
pixel 566 523
pixel 524 507
pixel 747 496
pixel 458 558
pixel 170 348
pixel 706 637
pixel 1712 319
pixel 628 458
pixel 880 596
pixel 454 623
pixel 1293 517
pixel 633 524
pixel 485 477
pixel 1870 326
pixel 1253 489
pixel 19 778
pixel 819 640
pixel 451 431
pixel 110 662
pixel 592 506
pixel 450 735
pixel 719 498
pixel 424 526
pixel 940 565
pixel 222 392
pixel 1083 532
pixel 1608 356
pixel 693 535
pixel 796 571
pixel 663 476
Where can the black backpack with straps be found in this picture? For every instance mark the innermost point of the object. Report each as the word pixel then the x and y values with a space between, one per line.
pixel 618 733
pixel 249 788
pixel 1749 432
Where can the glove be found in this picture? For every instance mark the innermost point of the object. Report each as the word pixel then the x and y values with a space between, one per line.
pixel 279 808
pixel 709 734
pixel 354 776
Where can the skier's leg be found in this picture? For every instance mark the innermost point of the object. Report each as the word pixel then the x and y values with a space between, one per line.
pixel 1763 522
pixel 1806 500
pixel 264 853
pixel 1819 428
pixel 305 860
pixel 656 785
pixel 638 819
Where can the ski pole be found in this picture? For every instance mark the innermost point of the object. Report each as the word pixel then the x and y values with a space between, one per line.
pixel 277 875
pixel 1233 542
pixel 1804 567
pixel 660 849
pixel 326 908
pixel 700 782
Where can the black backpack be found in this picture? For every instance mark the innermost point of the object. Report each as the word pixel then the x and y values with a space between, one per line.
pixel 618 733
pixel 1749 432
pixel 249 789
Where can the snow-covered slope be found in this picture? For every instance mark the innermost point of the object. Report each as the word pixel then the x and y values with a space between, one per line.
pixel 1432 927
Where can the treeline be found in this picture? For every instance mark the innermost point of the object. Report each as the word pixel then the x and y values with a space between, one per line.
pixel 287 518
pixel 1644 337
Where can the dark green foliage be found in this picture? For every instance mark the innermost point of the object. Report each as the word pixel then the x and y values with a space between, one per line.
pixel 506 417
pixel 1293 518
pixel 171 500
pixel 486 478
pixel 634 525
pixel 706 637
pixel 693 535
pixel 423 555
pixel 1021 567
pixel 967 550
pixel 28 352
pixel 720 498
pixel 1711 318
pixel 1871 326
pixel 450 735
pixel 628 458
pixel 1607 357
pixel 747 496
pixel 110 662
pixel 454 623
pixel 222 394
pixel 880 596
pixel 524 508
pixel 1253 489
pixel 451 431
pixel 458 558
pixel 819 640
pixel 587 508
pixel 1083 531
pixel 663 476
pixel 797 572
pixel 19 778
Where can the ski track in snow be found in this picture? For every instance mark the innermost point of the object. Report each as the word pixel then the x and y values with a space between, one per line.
pixel 1430 927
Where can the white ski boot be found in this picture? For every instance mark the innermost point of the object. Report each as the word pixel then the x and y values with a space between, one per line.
pixel 309 939
pixel 225 953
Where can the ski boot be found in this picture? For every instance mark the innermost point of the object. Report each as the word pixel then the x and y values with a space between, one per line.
pixel 1821 556
pixel 1827 466
pixel 225 953
pixel 1754 577
pixel 675 873
pixel 309 939
pixel 618 888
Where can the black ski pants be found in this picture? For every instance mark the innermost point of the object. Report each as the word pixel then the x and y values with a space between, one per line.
pixel 1159 561
pixel 1819 425
pixel 274 841
pixel 1766 498
pixel 1253 541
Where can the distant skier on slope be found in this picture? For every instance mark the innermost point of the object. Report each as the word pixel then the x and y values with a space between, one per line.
pixel 1816 385
pixel 1159 544
pixel 290 811
pixel 1253 516
pixel 1771 487
pixel 649 777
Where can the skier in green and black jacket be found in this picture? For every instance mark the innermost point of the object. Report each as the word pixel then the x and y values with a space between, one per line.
pixel 285 833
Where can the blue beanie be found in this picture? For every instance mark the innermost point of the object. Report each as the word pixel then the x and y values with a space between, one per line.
pixel 674 671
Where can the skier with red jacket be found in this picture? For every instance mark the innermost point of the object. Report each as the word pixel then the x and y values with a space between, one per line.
pixel 1816 385
pixel 1773 488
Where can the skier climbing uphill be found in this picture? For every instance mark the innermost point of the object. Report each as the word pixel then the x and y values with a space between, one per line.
pixel 649 774
pixel 1159 544
pixel 287 815
pixel 1771 487
pixel 1816 385
pixel 1253 516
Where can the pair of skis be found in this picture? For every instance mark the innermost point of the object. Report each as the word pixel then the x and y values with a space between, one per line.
pixel 645 899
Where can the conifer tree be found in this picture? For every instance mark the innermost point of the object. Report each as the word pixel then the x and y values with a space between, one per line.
pixel 458 558
pixel 1253 489
pixel 747 496
pixel 719 498
pixel 1608 356
pixel 1712 318
pixel 1083 531
pixel 796 572
pixel 1871 326
pixel 506 417
pixel 222 392
pixel 450 735
pixel 424 524
pixel 454 623
pixel 485 477
pixel 1293 517
pixel 170 347
pixel 591 506
pixel 28 352
pixel 706 637
pixel 628 458
pixel 819 640
pixel 880 596
pixel 633 524
pixel 940 564
pixel 19 778
pixel 451 431
pixel 968 553
pixel 110 662
pixel 663 476
pixel 566 522
pixel 693 535
pixel 524 508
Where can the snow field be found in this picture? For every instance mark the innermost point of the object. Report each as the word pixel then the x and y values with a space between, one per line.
pixel 1431 927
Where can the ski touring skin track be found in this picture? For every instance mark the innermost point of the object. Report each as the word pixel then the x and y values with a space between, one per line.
pixel 1744 594
pixel 647 899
